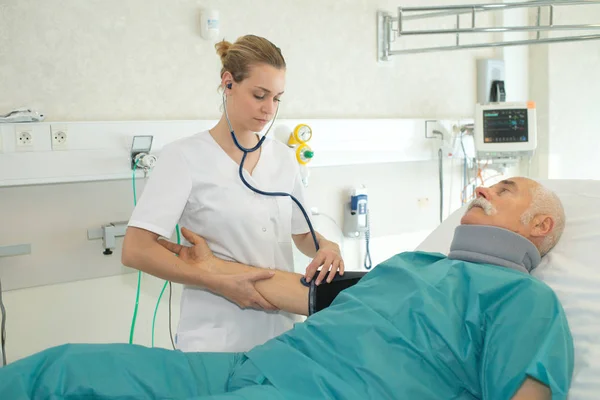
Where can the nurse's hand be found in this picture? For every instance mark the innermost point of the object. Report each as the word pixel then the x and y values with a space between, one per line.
pixel 328 256
pixel 239 288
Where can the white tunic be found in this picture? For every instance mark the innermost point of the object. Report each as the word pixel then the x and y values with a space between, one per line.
pixel 196 184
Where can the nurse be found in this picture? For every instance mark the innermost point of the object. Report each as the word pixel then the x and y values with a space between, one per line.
pixel 196 184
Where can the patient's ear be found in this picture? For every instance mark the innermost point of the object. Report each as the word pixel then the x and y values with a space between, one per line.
pixel 543 225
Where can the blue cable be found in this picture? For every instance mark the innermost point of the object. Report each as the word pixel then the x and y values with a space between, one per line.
pixel 274 194
pixel 279 194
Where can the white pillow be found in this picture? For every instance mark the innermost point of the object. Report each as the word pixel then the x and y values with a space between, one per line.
pixel 570 269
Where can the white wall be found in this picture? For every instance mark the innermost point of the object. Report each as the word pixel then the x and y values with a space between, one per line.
pixel 109 60
pixel 565 85
pixel 105 60
pixel 574 102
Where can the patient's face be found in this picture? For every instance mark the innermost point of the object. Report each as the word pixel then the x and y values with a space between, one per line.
pixel 502 205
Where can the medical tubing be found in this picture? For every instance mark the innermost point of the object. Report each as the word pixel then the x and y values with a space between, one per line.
pixel 464 192
pixel 170 331
pixel 3 328
pixel 156 310
pixel 281 194
pixel 441 177
pixel 160 297
pixel 244 149
pixel 171 292
pixel 137 295
pixel 368 264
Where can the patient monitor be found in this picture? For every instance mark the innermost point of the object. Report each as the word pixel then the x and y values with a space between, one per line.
pixel 506 129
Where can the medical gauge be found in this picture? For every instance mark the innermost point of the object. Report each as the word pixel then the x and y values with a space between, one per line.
pixel 505 129
pixel 302 134
pixel 304 154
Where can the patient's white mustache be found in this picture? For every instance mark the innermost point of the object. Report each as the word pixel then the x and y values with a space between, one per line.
pixel 487 207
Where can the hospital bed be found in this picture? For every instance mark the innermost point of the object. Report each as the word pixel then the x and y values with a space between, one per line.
pixel 571 269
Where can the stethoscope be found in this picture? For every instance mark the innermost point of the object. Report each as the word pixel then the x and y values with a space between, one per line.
pixel 241 169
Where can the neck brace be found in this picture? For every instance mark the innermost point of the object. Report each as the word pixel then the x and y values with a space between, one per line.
pixel 493 245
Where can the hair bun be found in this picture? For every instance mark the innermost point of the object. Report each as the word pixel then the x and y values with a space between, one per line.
pixel 222 49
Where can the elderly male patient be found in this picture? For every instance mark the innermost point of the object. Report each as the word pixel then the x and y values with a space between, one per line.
pixel 472 325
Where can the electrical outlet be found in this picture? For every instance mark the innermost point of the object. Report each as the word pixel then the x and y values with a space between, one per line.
pixel 58 137
pixel 23 139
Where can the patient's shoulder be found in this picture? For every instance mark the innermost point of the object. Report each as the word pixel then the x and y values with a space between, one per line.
pixel 527 295
pixel 535 288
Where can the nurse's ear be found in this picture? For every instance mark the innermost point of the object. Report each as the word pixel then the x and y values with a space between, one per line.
pixel 227 81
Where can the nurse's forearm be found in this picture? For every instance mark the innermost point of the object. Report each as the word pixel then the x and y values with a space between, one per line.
pixel 306 244
pixel 283 290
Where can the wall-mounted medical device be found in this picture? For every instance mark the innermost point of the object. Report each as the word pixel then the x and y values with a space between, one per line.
pixel 356 220
pixel 209 24
pixel 490 81
pixel 297 139
pixel 302 133
pixel 505 129
pixel 140 153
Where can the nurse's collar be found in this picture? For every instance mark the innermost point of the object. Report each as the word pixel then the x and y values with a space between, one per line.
pixel 493 245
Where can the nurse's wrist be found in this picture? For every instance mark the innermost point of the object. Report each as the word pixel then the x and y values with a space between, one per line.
pixel 327 244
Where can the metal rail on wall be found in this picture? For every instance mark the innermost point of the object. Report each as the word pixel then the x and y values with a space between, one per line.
pixel 389 27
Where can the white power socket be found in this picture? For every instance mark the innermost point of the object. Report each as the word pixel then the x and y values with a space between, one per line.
pixel 23 139
pixel 58 137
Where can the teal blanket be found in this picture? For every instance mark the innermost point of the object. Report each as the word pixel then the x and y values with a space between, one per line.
pixel 418 326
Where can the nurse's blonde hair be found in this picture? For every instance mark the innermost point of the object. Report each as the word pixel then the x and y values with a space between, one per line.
pixel 248 50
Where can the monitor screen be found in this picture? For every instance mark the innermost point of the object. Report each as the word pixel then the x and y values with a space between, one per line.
pixel 505 126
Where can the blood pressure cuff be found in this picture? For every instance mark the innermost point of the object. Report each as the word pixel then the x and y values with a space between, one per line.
pixel 320 297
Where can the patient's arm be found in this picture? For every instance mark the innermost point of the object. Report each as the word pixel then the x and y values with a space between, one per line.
pixel 527 336
pixel 283 290
pixel 532 389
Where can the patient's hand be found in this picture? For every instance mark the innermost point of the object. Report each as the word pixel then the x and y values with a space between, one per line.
pixel 198 253
pixel 239 288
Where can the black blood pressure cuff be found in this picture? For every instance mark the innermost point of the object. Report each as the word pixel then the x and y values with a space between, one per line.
pixel 320 297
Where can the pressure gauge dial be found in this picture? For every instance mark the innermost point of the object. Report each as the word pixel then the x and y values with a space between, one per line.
pixel 303 133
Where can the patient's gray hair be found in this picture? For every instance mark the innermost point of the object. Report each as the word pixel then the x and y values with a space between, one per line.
pixel 545 201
